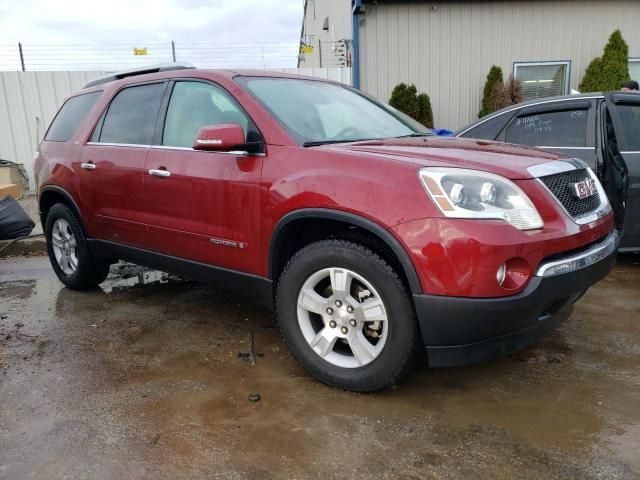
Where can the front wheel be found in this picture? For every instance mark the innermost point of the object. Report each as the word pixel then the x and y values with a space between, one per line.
pixel 346 316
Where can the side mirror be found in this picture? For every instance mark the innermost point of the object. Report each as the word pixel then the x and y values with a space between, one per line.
pixel 220 138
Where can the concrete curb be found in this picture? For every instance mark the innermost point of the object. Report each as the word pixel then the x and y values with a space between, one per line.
pixel 28 246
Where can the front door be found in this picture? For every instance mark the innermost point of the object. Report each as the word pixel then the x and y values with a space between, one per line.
pixel 622 179
pixel 113 162
pixel 203 206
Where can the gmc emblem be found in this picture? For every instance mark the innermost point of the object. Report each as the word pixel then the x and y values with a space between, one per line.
pixel 583 189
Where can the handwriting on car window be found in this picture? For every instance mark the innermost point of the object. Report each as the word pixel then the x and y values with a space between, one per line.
pixel 535 124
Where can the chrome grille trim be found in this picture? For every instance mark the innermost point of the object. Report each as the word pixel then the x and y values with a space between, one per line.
pixel 555 167
pixel 581 260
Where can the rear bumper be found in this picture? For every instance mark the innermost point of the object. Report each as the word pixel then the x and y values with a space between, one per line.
pixel 460 331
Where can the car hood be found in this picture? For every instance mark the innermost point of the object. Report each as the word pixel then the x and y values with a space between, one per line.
pixel 504 159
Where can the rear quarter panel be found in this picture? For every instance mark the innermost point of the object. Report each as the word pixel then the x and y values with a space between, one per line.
pixel 58 163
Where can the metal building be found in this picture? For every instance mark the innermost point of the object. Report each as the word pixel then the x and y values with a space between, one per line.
pixel 446 48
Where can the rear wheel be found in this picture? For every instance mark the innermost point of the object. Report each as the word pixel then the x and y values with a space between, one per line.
pixel 346 316
pixel 69 253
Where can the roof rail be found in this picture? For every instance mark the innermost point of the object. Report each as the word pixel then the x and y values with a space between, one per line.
pixel 165 67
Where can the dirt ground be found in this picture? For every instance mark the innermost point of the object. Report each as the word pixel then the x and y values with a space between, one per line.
pixel 142 379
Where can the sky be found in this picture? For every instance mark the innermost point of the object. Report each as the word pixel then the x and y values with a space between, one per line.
pixel 247 32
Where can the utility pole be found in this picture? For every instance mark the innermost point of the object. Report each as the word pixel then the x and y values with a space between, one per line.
pixel 173 50
pixel 21 56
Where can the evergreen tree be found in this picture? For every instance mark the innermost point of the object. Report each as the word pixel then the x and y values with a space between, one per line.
pixel 607 73
pixel 426 113
pixel 406 99
pixel 494 76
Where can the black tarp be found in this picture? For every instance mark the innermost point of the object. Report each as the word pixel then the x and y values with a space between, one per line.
pixel 14 221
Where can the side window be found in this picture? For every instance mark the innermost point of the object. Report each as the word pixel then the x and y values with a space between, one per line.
pixel 550 129
pixel 489 129
pixel 70 116
pixel 630 122
pixel 194 105
pixel 132 115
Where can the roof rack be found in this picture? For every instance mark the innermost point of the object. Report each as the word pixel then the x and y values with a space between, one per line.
pixel 165 67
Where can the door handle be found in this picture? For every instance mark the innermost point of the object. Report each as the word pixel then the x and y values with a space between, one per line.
pixel 88 165
pixel 159 173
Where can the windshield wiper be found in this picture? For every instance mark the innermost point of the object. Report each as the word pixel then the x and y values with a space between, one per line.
pixel 328 142
pixel 426 134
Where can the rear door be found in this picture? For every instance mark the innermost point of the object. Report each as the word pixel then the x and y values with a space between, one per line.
pixel 624 109
pixel 488 128
pixel 113 164
pixel 567 128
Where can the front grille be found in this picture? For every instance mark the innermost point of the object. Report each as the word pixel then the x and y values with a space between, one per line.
pixel 559 186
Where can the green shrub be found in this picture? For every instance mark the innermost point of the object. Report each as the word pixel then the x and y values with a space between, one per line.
pixel 426 113
pixel 592 77
pixel 490 90
pixel 406 99
pixel 607 73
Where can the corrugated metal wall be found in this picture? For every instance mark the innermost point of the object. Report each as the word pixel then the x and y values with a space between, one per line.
pixel 29 100
pixel 447 48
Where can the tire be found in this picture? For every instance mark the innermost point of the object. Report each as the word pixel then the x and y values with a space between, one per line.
pixel 309 323
pixel 69 253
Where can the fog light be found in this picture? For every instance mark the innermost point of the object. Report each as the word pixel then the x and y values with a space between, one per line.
pixel 501 274
pixel 515 274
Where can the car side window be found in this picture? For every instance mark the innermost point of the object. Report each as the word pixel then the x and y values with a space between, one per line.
pixel 630 124
pixel 70 116
pixel 488 129
pixel 566 128
pixel 132 114
pixel 194 105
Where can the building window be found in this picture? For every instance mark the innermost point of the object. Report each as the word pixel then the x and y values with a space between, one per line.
pixel 634 69
pixel 542 79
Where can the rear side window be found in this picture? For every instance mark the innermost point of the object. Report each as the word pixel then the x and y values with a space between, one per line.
pixel 550 129
pixel 630 122
pixel 131 117
pixel 70 116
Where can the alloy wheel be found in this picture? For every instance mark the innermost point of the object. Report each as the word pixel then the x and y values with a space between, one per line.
pixel 342 317
pixel 65 248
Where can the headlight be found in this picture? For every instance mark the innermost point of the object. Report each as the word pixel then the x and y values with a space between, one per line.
pixel 462 193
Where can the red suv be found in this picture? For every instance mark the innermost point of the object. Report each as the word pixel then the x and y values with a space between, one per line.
pixel 372 238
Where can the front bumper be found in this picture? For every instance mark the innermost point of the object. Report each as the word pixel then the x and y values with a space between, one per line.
pixel 461 331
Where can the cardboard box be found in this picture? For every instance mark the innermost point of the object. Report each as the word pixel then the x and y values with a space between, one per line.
pixel 10 189
pixel 10 175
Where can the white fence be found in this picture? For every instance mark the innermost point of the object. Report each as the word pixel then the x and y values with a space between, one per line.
pixel 29 100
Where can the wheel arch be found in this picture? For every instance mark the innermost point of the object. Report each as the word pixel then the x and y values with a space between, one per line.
pixel 285 239
pixel 52 194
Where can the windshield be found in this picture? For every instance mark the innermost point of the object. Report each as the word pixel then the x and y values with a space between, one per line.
pixel 315 112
